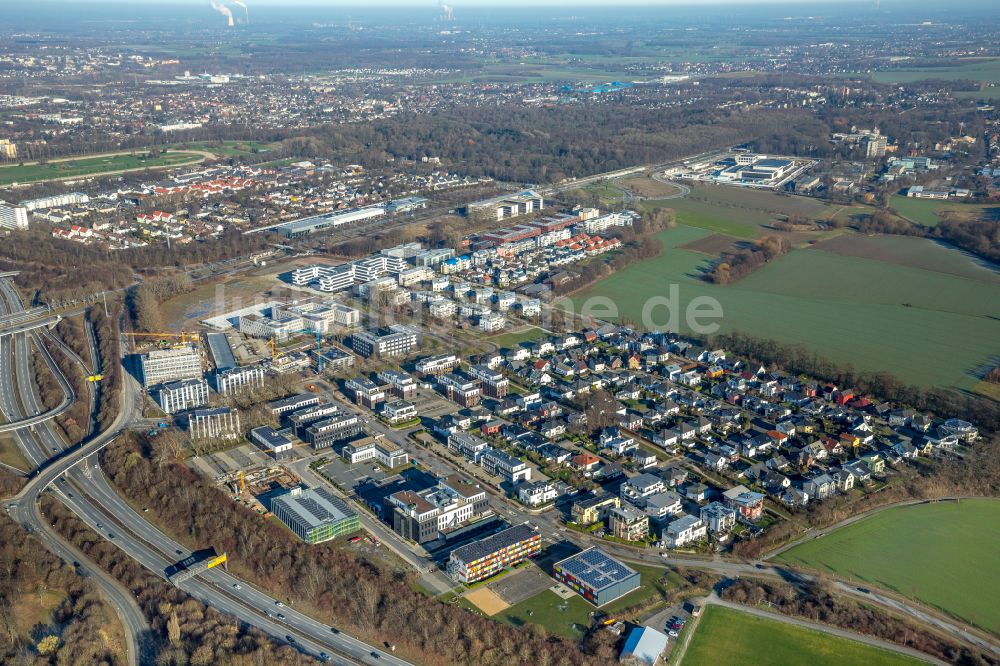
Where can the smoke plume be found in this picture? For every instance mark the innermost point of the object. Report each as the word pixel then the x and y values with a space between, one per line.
pixel 447 11
pixel 225 11
pixel 246 10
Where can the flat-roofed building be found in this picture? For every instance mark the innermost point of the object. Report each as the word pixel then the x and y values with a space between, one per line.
pixel 589 510
pixel 292 403
pixel 182 395
pixel 487 557
pixel 629 523
pixel 244 378
pixel 399 411
pixel 271 441
pixel 375 448
pixel 315 514
pixel 164 365
pixel 596 576
pixel 329 431
pixel 396 341
pixel 436 365
pixel 426 515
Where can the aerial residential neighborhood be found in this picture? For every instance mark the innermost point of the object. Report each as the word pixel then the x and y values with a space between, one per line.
pixel 569 333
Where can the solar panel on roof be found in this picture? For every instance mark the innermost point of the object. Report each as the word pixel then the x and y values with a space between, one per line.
pixel 313 507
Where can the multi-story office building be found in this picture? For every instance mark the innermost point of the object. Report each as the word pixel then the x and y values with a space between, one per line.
pixel 292 403
pixel 182 395
pixel 424 516
pixel 315 514
pixel 487 557
pixel 397 340
pixel 234 380
pixel 164 365
pixel 400 383
pixel 301 419
pixel 375 448
pixel 468 445
pixel 327 432
pixel 217 423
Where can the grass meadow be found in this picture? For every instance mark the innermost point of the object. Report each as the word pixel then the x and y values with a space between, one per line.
pixel 874 314
pixel 942 554
pixel 727 636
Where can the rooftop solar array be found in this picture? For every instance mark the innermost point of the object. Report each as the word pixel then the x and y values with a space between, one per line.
pixel 595 569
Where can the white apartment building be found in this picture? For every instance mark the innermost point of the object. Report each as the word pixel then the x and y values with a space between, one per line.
pixel 13 217
pixel 683 531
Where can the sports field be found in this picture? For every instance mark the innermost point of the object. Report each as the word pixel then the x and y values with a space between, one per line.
pixel 91 166
pixel 942 554
pixel 874 314
pixel 727 636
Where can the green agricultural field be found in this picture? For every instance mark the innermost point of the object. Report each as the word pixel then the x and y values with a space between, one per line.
pixel 929 212
pixel 739 212
pixel 910 251
pixel 727 636
pixel 91 166
pixel 872 314
pixel 942 554
pixel 921 211
pixel 984 71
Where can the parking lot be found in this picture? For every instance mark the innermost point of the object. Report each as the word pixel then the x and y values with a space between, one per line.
pixel 432 404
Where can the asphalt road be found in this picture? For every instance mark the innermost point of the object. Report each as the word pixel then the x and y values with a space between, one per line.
pixel 89 495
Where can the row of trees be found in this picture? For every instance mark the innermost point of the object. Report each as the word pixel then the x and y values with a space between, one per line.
pixel 109 389
pixel 367 598
pixel 735 265
pixel 816 603
pixel 75 421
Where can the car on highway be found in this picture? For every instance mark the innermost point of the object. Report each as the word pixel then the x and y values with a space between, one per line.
pixel 279 604
pixel 281 616
pixel 323 656
pixel 99 525
pixel 237 586
pixel 111 535
pixel 375 655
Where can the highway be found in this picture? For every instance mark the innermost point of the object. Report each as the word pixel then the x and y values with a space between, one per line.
pixel 86 491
